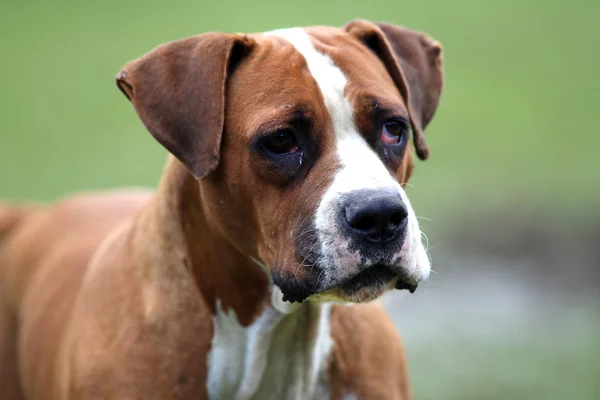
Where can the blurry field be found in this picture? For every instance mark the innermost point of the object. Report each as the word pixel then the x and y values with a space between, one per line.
pixel 515 136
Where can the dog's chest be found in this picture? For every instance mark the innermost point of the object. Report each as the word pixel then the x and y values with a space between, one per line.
pixel 277 357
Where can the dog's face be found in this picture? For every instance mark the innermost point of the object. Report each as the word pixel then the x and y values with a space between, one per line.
pixel 306 166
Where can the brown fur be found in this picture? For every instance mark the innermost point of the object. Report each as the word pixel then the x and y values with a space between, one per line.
pixel 112 295
pixel 369 357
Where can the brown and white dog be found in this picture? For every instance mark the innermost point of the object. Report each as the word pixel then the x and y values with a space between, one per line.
pixel 284 195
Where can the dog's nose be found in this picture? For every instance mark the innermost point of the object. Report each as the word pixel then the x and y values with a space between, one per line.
pixel 376 216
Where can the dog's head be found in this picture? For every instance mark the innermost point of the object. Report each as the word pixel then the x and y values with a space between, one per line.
pixel 300 141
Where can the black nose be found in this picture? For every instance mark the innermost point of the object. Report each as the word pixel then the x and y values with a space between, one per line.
pixel 375 215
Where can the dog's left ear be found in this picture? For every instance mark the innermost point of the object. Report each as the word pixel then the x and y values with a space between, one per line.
pixel 178 90
pixel 414 62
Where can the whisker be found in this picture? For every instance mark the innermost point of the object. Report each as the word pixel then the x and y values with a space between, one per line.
pixel 305 258
pixel 302 222
pixel 311 230
pixel 319 278
pixel 426 239
pixel 434 246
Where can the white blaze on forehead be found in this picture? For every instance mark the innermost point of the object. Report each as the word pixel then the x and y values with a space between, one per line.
pixel 329 77
pixel 353 151
pixel 360 166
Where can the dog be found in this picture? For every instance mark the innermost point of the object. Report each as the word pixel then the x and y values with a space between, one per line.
pixel 251 272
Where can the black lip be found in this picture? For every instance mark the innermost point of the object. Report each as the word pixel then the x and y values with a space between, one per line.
pixel 401 285
pixel 296 297
pixel 377 274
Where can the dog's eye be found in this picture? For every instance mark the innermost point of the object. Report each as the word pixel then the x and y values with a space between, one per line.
pixel 393 132
pixel 282 142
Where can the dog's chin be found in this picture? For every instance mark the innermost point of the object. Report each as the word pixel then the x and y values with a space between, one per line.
pixel 363 295
pixel 369 284
pixel 365 286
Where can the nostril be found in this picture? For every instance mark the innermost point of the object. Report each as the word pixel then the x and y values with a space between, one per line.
pixel 363 222
pixel 397 216
pixel 396 219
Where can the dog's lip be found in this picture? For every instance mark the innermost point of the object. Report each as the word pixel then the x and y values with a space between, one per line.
pixel 296 297
pixel 401 285
pixel 377 274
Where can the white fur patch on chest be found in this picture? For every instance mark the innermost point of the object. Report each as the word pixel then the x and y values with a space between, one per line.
pixel 279 356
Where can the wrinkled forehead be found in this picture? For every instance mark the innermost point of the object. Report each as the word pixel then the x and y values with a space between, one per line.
pixel 273 83
pixel 327 49
pixel 302 69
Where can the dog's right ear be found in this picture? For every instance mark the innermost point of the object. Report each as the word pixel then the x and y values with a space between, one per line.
pixel 414 62
pixel 178 91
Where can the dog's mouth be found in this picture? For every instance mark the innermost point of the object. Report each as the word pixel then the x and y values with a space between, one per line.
pixel 375 276
pixel 366 285
pixel 373 282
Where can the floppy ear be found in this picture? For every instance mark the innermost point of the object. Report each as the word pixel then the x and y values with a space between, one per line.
pixel 178 90
pixel 414 62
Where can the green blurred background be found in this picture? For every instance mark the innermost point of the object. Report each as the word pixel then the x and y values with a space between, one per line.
pixel 511 191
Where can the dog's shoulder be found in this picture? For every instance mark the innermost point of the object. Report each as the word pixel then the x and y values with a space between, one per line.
pixel 368 359
pixel 43 261
pixel 128 316
pixel 60 237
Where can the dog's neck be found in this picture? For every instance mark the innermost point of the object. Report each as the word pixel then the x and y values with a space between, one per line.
pixel 256 334
pixel 223 275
